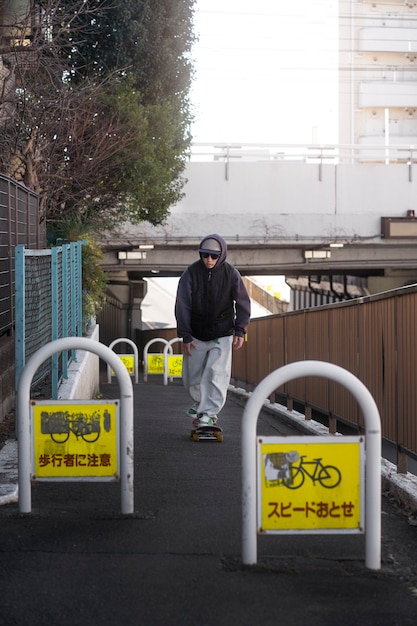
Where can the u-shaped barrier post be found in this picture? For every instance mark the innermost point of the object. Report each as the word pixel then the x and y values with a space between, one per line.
pixel 126 416
pixel 373 453
pixel 135 357
pixel 168 349
pixel 146 354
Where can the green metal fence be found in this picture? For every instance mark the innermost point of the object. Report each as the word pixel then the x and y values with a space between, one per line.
pixel 48 307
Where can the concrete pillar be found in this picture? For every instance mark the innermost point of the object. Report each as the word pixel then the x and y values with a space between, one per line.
pixel 129 289
pixel 139 289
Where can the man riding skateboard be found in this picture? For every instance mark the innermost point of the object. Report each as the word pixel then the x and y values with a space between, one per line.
pixel 212 310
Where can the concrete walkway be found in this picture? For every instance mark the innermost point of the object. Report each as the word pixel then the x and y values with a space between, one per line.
pixel 177 561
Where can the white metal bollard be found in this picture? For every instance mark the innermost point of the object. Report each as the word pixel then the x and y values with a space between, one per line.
pixel 373 452
pixel 135 357
pixel 126 416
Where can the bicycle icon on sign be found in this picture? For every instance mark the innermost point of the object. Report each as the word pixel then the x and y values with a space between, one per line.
pixel 60 424
pixel 328 476
pixel 280 469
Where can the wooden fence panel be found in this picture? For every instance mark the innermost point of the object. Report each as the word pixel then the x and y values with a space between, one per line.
pixel 296 345
pixel 343 343
pixel 317 348
pixel 373 337
pixel 376 358
pixel 406 382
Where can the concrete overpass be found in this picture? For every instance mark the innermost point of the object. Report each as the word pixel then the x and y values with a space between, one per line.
pixel 290 210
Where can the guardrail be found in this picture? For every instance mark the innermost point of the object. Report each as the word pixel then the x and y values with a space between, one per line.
pixel 377 152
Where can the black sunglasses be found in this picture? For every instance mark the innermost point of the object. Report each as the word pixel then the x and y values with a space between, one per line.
pixel 206 255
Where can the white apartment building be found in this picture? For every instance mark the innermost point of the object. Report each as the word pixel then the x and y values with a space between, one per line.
pixel 378 77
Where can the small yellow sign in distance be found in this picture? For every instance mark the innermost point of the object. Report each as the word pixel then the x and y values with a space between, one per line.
pixel 310 484
pixel 74 440
pixel 155 363
pixel 129 362
pixel 175 365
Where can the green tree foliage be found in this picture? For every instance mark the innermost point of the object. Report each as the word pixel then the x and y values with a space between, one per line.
pixel 101 117
pixel 151 39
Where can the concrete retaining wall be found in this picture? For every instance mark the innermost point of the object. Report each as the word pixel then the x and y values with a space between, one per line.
pixel 83 374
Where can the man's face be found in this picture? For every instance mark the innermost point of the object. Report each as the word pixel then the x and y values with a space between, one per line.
pixel 209 260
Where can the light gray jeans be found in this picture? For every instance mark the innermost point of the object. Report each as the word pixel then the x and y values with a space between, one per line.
pixel 206 373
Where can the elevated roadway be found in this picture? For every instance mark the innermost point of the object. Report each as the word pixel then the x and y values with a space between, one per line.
pixel 315 211
pixel 310 213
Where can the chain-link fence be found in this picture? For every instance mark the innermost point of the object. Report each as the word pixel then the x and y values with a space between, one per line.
pixel 48 307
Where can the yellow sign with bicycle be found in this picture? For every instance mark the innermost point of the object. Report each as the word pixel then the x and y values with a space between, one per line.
pixel 155 363
pixel 310 484
pixel 175 365
pixel 75 440
pixel 128 361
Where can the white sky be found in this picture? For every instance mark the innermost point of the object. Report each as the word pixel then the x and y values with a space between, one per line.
pixel 266 71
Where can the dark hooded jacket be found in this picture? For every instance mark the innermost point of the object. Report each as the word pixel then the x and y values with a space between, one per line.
pixel 211 303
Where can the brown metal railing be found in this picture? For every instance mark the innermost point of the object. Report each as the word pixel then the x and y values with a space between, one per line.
pixel 375 338
pixel 372 337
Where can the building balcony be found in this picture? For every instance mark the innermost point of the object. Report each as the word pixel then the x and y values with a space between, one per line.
pixel 386 39
pixel 387 94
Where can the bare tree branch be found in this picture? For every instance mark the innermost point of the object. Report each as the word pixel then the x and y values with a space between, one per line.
pixel 84 140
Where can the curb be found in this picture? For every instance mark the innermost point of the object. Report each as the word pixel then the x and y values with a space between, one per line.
pixel 8 472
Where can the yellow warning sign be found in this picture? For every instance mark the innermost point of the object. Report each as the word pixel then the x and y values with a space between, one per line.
pixel 175 365
pixel 310 484
pixel 128 361
pixel 74 440
pixel 155 363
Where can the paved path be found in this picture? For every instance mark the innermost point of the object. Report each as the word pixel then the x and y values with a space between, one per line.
pixel 75 560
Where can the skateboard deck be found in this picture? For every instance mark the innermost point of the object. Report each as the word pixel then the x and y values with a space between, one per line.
pixel 207 433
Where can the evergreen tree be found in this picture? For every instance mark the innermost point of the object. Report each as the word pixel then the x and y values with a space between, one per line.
pixel 101 118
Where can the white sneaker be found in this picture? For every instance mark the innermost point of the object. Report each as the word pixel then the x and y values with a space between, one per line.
pixel 206 420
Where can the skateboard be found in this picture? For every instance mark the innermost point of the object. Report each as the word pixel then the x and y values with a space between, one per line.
pixel 207 433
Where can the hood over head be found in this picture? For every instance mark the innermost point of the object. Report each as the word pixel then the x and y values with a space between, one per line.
pixel 214 244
